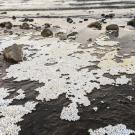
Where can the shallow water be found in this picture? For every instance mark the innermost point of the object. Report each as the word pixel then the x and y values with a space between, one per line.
pixel 65 4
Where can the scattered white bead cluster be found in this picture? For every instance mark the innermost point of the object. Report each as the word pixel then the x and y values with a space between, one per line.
pixel 62 69
pixel 119 129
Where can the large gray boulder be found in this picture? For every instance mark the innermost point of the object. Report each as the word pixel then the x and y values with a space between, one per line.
pixel 13 53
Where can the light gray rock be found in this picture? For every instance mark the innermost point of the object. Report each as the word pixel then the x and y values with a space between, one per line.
pixel 13 53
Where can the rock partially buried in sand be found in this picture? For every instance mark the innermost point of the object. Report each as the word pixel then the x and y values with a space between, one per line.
pixel 97 25
pixel 46 33
pixel 72 34
pixel 69 20
pixel 112 27
pixel 61 35
pixel 27 20
pixel 13 53
pixel 131 23
pixel 25 26
pixel 7 25
pixel 112 30
pixel 47 25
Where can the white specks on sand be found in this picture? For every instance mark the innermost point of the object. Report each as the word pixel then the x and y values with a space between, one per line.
pixel 119 129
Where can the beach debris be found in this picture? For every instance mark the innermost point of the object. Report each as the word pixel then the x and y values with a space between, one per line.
pixel 97 25
pixel 69 20
pixel 119 129
pixel 47 33
pixel 13 53
pixel 131 23
pixel 25 26
pixel 7 25
pixel 112 30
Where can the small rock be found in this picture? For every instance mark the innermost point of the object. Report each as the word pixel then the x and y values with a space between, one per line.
pixel 80 21
pixel 112 27
pixel 89 40
pixel 69 20
pixel 25 26
pixel 102 15
pixel 3 12
pixel 13 53
pixel 47 25
pixel 72 34
pixel 112 15
pixel 131 23
pixel 61 35
pixel 7 25
pixel 97 25
pixel 27 20
pixel 13 17
pixel 47 33
pixel 112 30
pixel 85 19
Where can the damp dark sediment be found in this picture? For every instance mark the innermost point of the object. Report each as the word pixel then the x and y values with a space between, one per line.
pixel 46 119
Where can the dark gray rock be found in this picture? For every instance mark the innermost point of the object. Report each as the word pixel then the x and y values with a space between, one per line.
pixel 69 20
pixel 112 30
pixel 72 34
pixel 25 26
pixel 112 27
pixel 131 23
pixel 46 33
pixel 47 25
pixel 61 35
pixel 14 17
pixel 13 53
pixel 97 25
pixel 7 25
